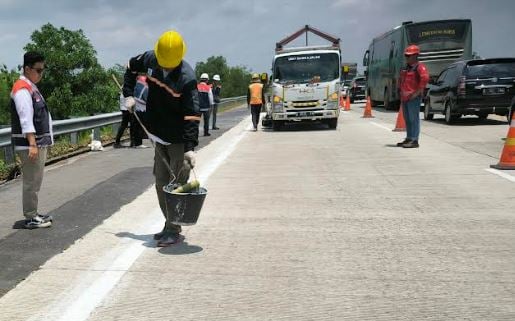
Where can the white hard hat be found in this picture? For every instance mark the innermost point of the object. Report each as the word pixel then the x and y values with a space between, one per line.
pixel 204 76
pixel 216 77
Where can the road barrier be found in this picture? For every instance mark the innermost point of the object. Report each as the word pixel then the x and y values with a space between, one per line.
pixel 74 126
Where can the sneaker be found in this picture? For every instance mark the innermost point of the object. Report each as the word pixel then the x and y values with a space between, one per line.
pixel 403 142
pixel 215 128
pixel 141 146
pixel 170 239
pixel 36 222
pixel 46 218
pixel 411 144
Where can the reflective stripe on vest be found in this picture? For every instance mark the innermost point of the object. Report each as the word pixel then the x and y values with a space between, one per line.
pixel 256 93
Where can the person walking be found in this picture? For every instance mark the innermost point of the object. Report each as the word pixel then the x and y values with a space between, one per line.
pixel 31 128
pixel 172 117
pixel 255 99
pixel 217 90
pixel 412 83
pixel 206 101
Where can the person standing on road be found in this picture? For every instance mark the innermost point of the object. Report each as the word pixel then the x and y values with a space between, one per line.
pixel 206 101
pixel 217 90
pixel 255 99
pixel 31 127
pixel 126 123
pixel 412 83
pixel 172 116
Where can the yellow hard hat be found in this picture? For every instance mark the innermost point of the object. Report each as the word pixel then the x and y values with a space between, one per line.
pixel 255 76
pixel 170 49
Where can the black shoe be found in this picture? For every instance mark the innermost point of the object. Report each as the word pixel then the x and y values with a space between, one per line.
pixel 401 144
pixel 215 128
pixel 207 134
pixel 170 239
pixel 117 145
pixel 411 144
pixel 36 222
pixel 159 235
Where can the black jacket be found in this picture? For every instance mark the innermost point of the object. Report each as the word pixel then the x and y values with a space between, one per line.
pixel 170 99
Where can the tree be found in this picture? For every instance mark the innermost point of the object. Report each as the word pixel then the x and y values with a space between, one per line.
pixel 235 80
pixel 74 83
pixel 7 79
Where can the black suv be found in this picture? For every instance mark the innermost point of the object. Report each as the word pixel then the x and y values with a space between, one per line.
pixel 474 87
pixel 357 89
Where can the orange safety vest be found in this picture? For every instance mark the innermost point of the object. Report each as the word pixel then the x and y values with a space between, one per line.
pixel 256 93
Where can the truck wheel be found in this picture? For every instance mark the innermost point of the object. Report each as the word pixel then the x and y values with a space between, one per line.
pixel 332 123
pixel 277 125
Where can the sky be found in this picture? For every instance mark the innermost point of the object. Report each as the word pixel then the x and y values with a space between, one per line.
pixel 243 31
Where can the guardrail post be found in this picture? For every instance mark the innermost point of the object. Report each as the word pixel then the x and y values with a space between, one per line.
pixel 96 133
pixel 73 138
pixel 9 154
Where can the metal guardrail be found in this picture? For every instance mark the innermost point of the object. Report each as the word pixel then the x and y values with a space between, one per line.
pixel 75 125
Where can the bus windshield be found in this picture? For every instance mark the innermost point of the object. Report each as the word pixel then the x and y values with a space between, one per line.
pixel 307 68
pixel 437 31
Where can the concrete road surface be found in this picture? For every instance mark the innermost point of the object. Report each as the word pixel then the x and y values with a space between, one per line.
pixel 306 224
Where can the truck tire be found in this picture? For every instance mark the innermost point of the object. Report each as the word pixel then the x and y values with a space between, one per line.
pixel 332 123
pixel 277 125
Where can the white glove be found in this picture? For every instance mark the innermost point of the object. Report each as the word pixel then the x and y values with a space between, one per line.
pixel 130 102
pixel 189 159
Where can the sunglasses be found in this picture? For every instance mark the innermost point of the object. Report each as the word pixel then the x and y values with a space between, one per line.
pixel 38 70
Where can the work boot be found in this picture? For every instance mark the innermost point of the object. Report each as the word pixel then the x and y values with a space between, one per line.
pixel 401 144
pixel 215 128
pixel 411 144
pixel 207 134
pixel 170 239
pixel 117 145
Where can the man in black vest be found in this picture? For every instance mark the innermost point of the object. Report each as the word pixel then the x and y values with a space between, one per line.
pixel 31 128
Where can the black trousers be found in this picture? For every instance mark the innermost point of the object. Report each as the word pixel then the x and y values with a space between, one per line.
pixel 205 117
pixel 126 120
pixel 136 130
pixel 215 111
pixel 255 110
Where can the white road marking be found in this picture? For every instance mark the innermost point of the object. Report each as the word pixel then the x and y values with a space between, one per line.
pixel 502 174
pixel 381 126
pixel 82 300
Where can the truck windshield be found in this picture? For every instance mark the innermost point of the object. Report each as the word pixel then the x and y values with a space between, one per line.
pixel 307 68
pixel 438 31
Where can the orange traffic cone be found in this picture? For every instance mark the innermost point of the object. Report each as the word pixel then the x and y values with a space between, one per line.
pixel 342 102
pixel 347 103
pixel 508 153
pixel 400 126
pixel 368 109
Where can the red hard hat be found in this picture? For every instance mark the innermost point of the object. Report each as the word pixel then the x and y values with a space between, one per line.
pixel 412 50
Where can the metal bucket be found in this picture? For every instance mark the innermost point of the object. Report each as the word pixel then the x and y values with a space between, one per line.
pixel 183 208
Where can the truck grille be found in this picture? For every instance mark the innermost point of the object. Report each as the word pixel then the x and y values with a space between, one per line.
pixel 437 55
pixel 304 104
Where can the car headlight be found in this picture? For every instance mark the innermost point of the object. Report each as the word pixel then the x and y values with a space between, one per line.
pixel 277 99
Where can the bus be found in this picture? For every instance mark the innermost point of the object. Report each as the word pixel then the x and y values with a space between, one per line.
pixel 441 42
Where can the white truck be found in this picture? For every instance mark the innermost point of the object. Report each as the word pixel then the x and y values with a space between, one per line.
pixel 306 82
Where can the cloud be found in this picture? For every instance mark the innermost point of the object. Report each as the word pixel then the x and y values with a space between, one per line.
pixel 245 32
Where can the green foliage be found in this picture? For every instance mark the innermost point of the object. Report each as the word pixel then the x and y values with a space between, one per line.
pixel 235 80
pixel 7 79
pixel 74 83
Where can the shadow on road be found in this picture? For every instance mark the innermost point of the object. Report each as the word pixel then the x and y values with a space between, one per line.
pixel 469 121
pixel 182 248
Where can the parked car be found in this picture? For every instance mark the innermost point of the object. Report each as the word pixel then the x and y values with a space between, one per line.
pixel 358 88
pixel 474 87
